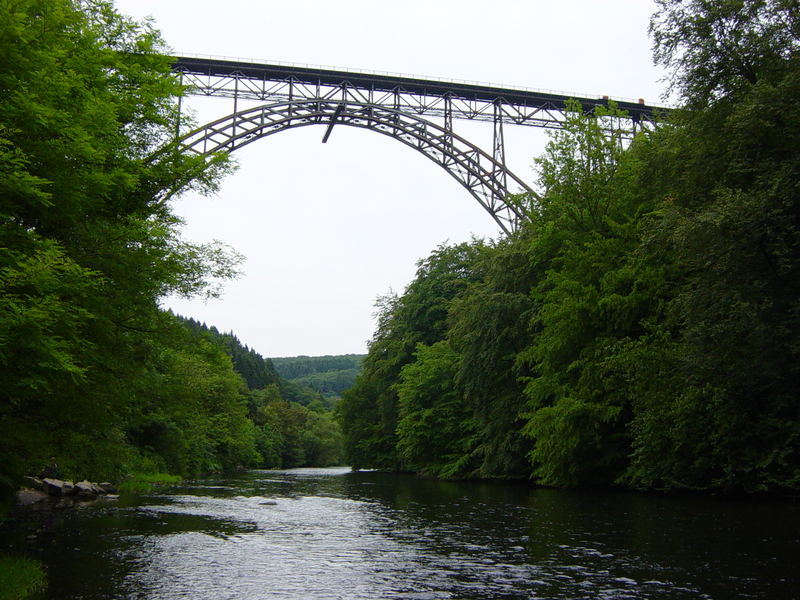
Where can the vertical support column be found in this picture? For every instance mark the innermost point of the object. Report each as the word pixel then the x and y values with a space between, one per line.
pixel 499 152
pixel 180 104
pixel 319 100
pixel 448 125
pixel 235 106
pixel 396 108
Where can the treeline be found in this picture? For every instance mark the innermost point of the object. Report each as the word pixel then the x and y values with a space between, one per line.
pixel 328 375
pixel 642 328
pixel 92 372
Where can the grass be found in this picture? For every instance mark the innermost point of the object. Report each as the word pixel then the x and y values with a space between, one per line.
pixel 20 577
pixel 145 482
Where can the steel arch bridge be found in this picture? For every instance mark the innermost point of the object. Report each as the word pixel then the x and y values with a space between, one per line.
pixel 397 106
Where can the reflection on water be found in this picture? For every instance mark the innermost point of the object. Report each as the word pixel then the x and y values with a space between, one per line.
pixel 329 533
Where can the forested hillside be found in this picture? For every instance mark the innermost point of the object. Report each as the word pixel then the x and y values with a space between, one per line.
pixel 92 372
pixel 328 375
pixel 254 369
pixel 257 371
pixel 642 328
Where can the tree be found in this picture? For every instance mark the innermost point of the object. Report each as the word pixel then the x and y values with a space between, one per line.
pixel 191 413
pixel 322 440
pixel 719 49
pixel 587 301
pixel 487 327
pixel 436 433
pixel 368 410
pixel 88 242
pixel 729 417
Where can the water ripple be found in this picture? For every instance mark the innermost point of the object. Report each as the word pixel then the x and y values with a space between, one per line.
pixel 329 534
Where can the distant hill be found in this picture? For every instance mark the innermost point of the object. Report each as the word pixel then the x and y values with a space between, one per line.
pixel 329 375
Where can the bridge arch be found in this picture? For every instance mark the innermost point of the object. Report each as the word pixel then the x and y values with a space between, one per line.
pixel 483 176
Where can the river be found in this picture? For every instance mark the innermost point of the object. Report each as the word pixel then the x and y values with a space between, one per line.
pixel 332 534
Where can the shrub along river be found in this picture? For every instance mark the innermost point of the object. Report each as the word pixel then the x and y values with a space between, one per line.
pixel 330 533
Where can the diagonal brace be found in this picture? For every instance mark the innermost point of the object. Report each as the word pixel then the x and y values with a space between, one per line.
pixel 335 115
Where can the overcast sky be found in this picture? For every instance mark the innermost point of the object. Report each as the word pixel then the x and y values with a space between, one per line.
pixel 326 228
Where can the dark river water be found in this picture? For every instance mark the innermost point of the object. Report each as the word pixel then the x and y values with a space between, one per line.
pixel 330 533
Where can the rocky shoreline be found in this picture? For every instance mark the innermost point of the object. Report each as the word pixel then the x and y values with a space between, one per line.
pixel 38 490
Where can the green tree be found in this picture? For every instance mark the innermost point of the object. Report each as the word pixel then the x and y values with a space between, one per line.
pixel 586 302
pixel 368 410
pixel 191 414
pixel 716 50
pixel 322 440
pixel 436 433
pixel 731 184
pixel 285 429
pixel 269 440
pixel 257 371
pixel 487 328
pixel 88 243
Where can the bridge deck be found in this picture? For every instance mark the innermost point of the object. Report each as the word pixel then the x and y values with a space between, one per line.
pixel 521 99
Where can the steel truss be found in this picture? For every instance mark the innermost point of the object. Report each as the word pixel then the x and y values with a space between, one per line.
pixel 483 176
pixel 391 105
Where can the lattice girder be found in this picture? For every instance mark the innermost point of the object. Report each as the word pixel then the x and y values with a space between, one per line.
pixel 543 114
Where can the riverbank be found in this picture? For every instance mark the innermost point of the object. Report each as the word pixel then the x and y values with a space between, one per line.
pixel 38 490
pixel 22 577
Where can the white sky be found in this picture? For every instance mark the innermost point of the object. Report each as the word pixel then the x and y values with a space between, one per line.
pixel 326 228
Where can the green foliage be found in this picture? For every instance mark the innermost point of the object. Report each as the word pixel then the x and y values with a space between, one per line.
pixel 291 435
pixel 570 441
pixel 330 384
pixel 717 50
pixel 731 329
pixel 90 370
pixel 88 246
pixel 328 376
pixel 322 440
pixel 642 328
pixel 41 318
pixel 192 412
pixel 589 302
pixel 487 329
pixel 301 394
pixel 436 434
pixel 20 578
